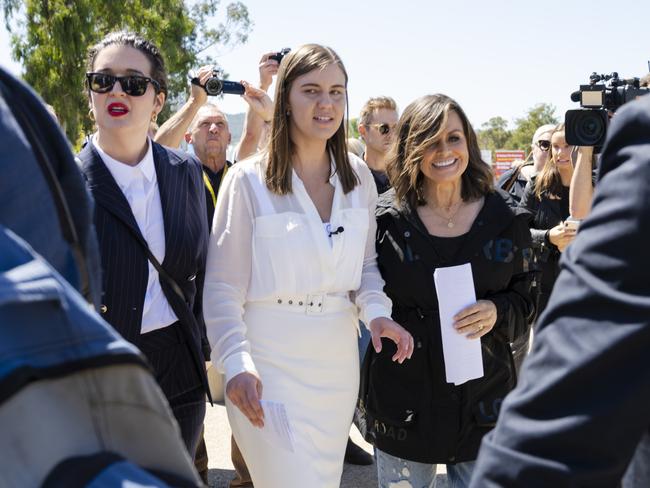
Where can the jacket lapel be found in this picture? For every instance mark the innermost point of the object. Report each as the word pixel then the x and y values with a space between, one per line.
pixel 105 190
pixel 172 184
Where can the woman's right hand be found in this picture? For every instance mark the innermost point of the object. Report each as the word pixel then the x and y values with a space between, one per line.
pixel 245 392
pixel 561 236
pixel 258 100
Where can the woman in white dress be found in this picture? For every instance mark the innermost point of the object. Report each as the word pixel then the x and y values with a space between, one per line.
pixel 291 268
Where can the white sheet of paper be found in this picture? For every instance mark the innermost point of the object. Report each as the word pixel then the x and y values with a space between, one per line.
pixel 463 356
pixel 277 428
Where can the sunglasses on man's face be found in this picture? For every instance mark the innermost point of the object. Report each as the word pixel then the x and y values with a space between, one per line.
pixel 132 85
pixel 544 145
pixel 383 128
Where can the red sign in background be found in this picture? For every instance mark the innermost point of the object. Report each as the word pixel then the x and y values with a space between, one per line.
pixel 503 160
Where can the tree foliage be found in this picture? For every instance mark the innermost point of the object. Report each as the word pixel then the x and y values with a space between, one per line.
pixel 50 39
pixel 494 134
pixel 525 127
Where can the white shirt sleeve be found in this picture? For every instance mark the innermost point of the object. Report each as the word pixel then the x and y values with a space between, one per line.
pixel 370 297
pixel 227 277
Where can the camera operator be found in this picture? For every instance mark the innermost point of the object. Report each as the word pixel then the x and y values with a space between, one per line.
pixel 172 132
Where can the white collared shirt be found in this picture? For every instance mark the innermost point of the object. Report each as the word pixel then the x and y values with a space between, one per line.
pixel 139 185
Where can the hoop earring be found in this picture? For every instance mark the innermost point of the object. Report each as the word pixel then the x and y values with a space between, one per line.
pixel 91 115
pixel 154 117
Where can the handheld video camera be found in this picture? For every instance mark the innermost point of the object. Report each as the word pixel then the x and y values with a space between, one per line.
pixel 280 54
pixel 216 85
pixel 587 125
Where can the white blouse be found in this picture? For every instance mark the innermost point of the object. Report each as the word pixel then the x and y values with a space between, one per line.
pixel 264 246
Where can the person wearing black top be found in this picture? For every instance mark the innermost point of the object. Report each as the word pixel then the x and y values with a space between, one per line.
pixel 546 197
pixel 514 180
pixel 443 211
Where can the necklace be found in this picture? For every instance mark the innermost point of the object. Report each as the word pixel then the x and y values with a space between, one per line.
pixel 450 219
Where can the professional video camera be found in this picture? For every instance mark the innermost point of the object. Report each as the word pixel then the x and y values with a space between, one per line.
pixel 216 85
pixel 587 126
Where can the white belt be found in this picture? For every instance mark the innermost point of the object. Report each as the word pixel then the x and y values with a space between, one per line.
pixel 312 304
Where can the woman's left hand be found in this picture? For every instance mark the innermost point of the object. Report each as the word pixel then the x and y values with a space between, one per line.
pixel 476 320
pixel 385 327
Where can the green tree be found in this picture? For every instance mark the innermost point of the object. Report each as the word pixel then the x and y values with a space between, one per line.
pixel 50 39
pixel 353 128
pixel 494 134
pixel 525 127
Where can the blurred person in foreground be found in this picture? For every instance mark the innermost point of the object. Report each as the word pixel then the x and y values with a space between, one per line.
pixel 377 130
pixel 580 415
pixel 443 211
pixel 514 180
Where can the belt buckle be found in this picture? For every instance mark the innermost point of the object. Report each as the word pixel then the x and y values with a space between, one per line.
pixel 314 304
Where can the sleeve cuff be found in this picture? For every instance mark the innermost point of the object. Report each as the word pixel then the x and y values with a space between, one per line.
pixel 374 310
pixel 239 362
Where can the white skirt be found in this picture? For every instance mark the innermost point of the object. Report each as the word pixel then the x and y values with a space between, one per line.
pixel 310 363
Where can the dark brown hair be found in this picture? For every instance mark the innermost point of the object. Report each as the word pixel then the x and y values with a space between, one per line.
pixel 419 128
pixel 549 180
pixel 280 149
pixel 148 48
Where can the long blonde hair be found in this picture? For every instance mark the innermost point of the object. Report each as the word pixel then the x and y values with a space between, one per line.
pixel 280 149
pixel 549 180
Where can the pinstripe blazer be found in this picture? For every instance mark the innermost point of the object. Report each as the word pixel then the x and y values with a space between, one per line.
pixel 124 261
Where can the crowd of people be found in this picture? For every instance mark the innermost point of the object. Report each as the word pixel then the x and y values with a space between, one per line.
pixel 303 269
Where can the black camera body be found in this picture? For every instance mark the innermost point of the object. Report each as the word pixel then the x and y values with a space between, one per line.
pixel 216 85
pixel 587 126
pixel 280 54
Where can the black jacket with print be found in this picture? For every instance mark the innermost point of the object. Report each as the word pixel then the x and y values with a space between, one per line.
pixel 410 410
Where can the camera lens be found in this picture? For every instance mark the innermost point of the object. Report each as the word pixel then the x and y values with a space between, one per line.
pixel 213 86
pixel 590 128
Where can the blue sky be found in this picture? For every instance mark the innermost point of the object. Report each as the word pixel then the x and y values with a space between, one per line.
pixel 494 57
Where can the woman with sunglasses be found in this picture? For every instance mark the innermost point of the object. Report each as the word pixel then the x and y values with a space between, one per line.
pixel 443 211
pixel 546 197
pixel 150 222
pixel 291 263
pixel 514 180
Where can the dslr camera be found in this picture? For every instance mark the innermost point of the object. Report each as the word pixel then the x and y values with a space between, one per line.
pixel 280 54
pixel 216 85
pixel 603 95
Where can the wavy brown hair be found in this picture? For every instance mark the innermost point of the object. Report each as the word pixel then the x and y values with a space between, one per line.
pixel 549 180
pixel 280 149
pixel 419 128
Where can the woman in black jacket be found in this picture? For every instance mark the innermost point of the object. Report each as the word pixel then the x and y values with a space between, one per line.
pixel 546 197
pixel 443 211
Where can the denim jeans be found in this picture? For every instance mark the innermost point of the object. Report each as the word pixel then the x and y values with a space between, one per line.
pixel 394 472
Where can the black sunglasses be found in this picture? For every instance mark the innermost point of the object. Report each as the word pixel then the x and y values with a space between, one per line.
pixel 544 145
pixel 383 128
pixel 132 85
